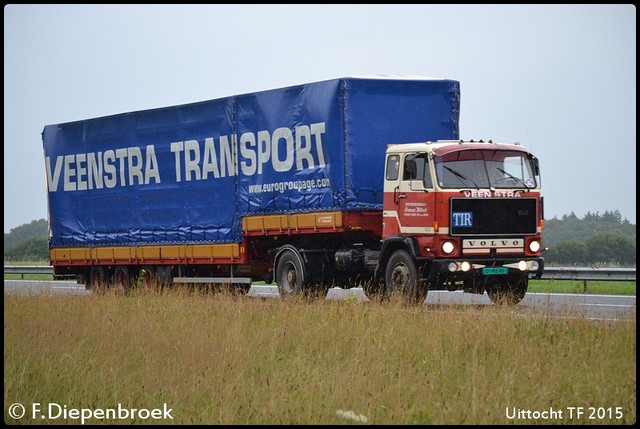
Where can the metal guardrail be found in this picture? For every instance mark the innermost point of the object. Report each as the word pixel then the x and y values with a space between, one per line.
pixel 28 269
pixel 587 273
pixel 550 273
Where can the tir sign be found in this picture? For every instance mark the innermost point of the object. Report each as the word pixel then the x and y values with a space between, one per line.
pixel 462 219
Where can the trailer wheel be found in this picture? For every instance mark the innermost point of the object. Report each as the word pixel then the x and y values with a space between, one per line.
pixel 401 279
pixel 122 278
pixel 510 292
pixel 164 276
pixel 97 279
pixel 289 274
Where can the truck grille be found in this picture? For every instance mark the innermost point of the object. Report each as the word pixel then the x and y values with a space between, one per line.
pixel 493 216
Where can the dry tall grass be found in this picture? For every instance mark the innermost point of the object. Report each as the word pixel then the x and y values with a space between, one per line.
pixel 221 359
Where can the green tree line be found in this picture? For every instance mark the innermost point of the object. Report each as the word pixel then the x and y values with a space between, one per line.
pixel 596 239
pixel 28 242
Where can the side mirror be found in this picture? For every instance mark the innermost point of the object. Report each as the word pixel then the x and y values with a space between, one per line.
pixel 536 166
pixel 410 169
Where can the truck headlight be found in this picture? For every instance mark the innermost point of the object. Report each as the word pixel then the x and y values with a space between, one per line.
pixel 447 247
pixel 534 246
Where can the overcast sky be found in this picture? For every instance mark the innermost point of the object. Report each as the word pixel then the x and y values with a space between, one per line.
pixel 559 79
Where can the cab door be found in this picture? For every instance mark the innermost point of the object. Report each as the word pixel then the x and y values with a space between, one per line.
pixel 408 195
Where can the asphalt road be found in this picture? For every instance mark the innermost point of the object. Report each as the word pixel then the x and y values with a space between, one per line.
pixel 601 307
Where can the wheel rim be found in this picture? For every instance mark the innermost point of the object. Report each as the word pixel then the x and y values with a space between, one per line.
pixel 399 278
pixel 289 279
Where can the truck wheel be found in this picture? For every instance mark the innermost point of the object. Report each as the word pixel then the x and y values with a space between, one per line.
pixel 122 279
pixel 164 276
pixel 97 279
pixel 401 279
pixel 289 274
pixel 508 293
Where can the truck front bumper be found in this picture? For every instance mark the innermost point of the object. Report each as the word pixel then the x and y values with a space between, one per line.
pixel 463 269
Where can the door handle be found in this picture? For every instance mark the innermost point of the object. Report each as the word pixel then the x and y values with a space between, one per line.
pixel 397 196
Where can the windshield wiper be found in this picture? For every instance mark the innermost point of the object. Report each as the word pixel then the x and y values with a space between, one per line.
pixel 511 176
pixel 462 176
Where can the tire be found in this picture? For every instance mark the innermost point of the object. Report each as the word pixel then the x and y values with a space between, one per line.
pixel 401 279
pixel 509 293
pixel 122 279
pixel 164 277
pixel 97 279
pixel 290 276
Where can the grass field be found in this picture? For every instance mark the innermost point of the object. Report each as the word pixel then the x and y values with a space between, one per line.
pixel 222 359
pixel 576 286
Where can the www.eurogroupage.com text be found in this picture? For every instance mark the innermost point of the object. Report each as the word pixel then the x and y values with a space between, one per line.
pixel 297 185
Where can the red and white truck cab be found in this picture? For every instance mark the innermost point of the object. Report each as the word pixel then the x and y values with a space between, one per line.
pixel 461 215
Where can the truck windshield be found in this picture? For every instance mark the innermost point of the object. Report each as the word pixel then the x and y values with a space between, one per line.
pixel 499 169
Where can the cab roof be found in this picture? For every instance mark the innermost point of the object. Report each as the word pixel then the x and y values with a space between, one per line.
pixel 443 147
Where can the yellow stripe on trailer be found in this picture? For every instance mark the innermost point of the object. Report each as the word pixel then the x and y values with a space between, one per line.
pixel 184 253
pixel 292 223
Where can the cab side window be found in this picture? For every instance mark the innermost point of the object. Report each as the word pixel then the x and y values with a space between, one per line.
pixel 393 167
pixel 416 167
